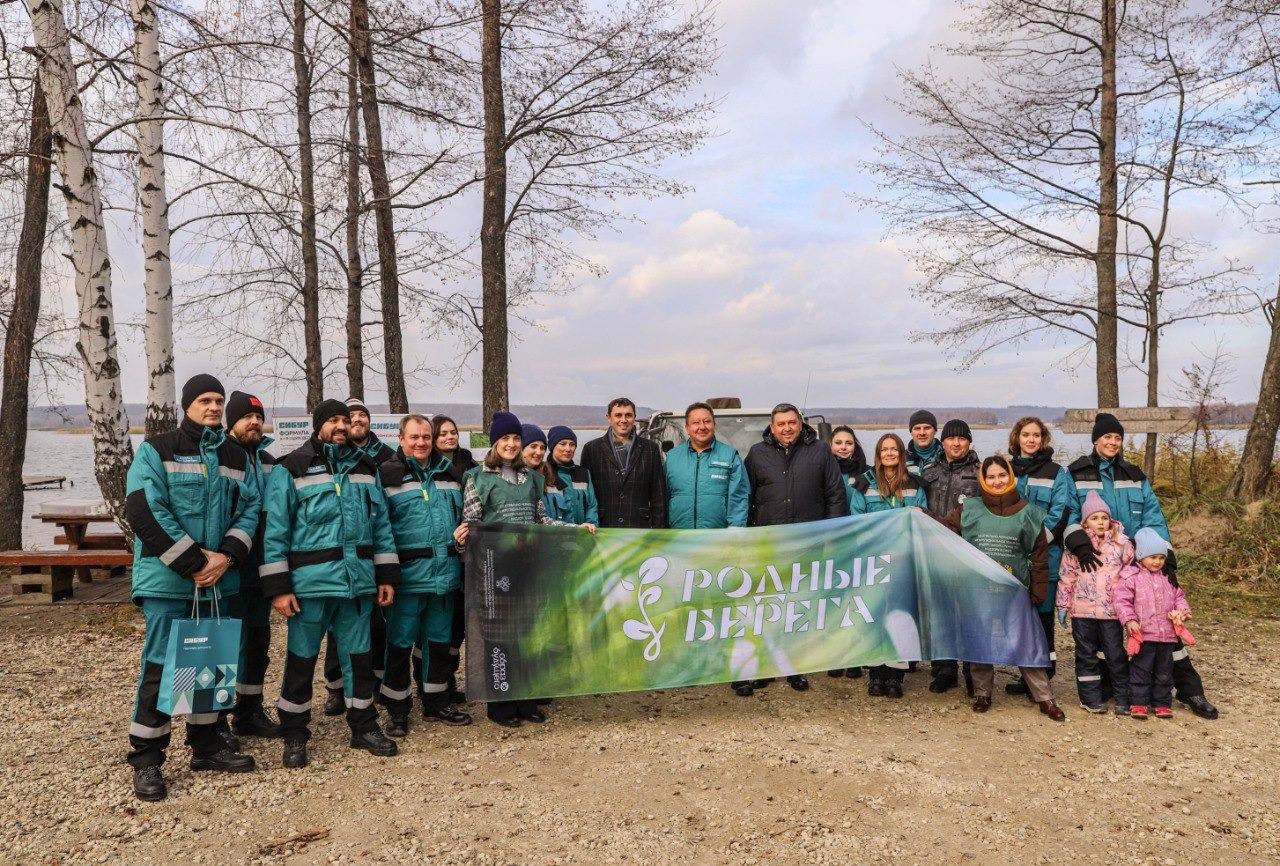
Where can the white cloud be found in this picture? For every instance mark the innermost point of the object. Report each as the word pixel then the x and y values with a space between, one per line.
pixel 755 306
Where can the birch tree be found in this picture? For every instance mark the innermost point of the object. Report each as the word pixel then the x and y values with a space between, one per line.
pixel 153 199
pixel 96 343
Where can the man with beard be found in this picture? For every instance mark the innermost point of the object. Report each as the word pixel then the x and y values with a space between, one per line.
pixel 328 557
pixel 362 437
pixel 245 416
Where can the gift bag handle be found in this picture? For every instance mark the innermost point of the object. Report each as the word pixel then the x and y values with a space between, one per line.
pixel 195 603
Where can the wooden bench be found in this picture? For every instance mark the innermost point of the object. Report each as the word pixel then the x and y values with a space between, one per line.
pixel 45 576
pixel 95 541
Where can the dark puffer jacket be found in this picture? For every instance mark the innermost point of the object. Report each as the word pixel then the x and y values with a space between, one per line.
pixel 949 484
pixel 634 497
pixel 796 484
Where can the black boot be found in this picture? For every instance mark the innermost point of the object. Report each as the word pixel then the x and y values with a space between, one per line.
pixel 942 683
pixel 397 725
pixel 455 696
pixel 854 673
pixel 798 682
pixel 744 689
pixel 148 784
pixel 838 672
pixel 968 680
pixel 254 722
pixel 1018 688
pixel 295 753
pixel 334 703
pixel 875 688
pixel 375 743
pixel 446 713
pixel 229 740
pixel 223 761
pixel 1201 707
pixel 893 688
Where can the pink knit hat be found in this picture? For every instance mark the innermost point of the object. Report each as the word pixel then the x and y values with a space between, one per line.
pixel 1093 503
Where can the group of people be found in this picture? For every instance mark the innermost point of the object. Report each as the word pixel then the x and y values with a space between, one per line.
pixel 360 540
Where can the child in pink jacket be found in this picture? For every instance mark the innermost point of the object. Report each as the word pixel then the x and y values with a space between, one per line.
pixel 1151 609
pixel 1086 595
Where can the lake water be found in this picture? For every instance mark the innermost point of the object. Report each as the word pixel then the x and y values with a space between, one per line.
pixel 71 454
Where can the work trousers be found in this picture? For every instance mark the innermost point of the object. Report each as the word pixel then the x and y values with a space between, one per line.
pixel 254 610
pixel 424 620
pixel 348 620
pixel 377 649
pixel 150 729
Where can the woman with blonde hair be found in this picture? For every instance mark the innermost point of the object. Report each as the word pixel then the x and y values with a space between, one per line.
pixel 887 485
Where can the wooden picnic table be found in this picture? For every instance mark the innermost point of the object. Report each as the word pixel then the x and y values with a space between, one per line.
pixel 44 576
pixel 74 526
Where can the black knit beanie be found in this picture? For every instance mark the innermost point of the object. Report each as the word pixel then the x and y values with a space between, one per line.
pixel 326 410
pixel 1106 423
pixel 240 404
pixel 956 427
pixel 200 384
pixel 923 416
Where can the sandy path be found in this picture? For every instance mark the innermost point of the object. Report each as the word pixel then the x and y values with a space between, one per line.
pixel 692 776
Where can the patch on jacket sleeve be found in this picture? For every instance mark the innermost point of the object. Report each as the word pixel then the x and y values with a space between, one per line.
pixel 187 458
pixel 315 470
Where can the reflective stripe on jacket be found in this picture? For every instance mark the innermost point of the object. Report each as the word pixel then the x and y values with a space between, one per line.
pixel 328 533
pixel 425 505
pixel 865 498
pixel 575 501
pixel 187 490
pixel 1125 489
pixel 1046 484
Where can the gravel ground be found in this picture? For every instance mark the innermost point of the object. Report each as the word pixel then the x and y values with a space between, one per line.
pixel 690 776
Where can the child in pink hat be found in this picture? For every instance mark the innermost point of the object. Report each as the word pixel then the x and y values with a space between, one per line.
pixel 1086 596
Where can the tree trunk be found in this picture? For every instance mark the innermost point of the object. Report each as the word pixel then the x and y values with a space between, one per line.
pixel 154 201
pixel 314 362
pixel 1105 260
pixel 20 337
pixel 1153 358
pixel 112 450
pixel 380 186
pixel 355 341
pixel 493 229
pixel 1249 482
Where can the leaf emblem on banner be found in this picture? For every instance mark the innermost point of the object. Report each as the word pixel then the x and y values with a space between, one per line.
pixel 651 571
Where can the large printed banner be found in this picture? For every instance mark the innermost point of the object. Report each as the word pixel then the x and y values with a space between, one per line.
pixel 556 611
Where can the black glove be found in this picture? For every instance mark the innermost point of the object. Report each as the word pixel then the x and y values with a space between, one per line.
pixel 1171 567
pixel 1081 547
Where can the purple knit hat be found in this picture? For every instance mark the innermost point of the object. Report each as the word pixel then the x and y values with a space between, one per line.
pixel 1093 503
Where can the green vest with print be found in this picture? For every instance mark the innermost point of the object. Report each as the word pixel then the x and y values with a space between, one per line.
pixel 1007 540
pixel 504 502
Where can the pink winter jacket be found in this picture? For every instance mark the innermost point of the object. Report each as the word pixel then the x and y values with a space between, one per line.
pixel 1148 597
pixel 1088 595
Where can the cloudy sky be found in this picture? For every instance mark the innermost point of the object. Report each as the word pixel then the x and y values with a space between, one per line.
pixel 767 274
